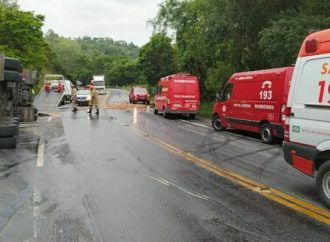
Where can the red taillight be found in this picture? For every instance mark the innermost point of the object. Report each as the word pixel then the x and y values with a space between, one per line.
pixel 287 111
pixel 287 114
pixel 311 46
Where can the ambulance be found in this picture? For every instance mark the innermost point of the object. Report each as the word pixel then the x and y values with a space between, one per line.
pixel 254 101
pixel 177 94
pixel 307 128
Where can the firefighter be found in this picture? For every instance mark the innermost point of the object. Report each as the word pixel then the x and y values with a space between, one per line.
pixel 94 100
pixel 59 87
pixel 47 86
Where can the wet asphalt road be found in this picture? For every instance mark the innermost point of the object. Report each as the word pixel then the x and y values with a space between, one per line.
pixel 97 179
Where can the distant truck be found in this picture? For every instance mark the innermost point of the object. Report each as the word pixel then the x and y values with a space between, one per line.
pixel 99 83
pixel 307 129
pixel 178 94
pixel 254 101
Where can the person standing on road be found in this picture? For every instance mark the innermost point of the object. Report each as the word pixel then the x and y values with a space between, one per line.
pixel 74 98
pixel 94 100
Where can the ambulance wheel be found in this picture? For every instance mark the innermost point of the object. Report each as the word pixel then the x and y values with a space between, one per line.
pixel 216 123
pixel 323 183
pixel 266 133
pixel 155 111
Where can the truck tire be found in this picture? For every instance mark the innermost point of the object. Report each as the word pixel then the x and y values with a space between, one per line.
pixel 7 130
pixel 12 64
pixel 9 120
pixel 266 133
pixel 216 123
pixel 12 76
pixel 192 116
pixel 323 183
pixel 8 143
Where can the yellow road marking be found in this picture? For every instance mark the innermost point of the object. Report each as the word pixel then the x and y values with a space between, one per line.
pixel 313 211
pixel 54 114
pixel 40 157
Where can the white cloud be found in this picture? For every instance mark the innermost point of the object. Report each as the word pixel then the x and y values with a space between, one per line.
pixel 118 19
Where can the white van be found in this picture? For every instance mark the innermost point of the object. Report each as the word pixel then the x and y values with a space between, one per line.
pixel 307 128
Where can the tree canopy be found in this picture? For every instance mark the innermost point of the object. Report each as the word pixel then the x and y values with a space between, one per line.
pixel 215 38
pixel 156 58
pixel 81 58
pixel 211 39
pixel 21 36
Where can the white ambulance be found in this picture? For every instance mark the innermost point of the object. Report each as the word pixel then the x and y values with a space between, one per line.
pixel 307 128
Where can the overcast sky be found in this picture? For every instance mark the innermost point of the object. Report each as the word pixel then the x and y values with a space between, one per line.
pixel 118 19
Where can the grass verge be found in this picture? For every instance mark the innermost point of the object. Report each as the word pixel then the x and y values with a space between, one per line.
pixel 205 109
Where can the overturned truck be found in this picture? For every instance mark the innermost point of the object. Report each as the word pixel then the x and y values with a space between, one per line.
pixel 15 99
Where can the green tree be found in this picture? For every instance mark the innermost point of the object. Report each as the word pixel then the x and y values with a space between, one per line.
pixel 81 58
pixel 9 3
pixel 281 41
pixel 21 36
pixel 122 72
pixel 215 38
pixel 156 58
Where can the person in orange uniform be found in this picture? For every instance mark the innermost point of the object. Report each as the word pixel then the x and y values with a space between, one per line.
pixel 94 100
pixel 59 87
pixel 47 86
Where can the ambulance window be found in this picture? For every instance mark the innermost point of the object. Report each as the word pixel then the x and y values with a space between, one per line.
pixel 227 92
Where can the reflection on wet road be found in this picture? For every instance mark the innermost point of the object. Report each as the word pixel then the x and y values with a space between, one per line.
pixel 112 177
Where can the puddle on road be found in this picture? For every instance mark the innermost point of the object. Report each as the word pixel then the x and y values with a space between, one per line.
pixel 25 151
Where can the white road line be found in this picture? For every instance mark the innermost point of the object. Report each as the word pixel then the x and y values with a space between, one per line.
pixel 159 180
pixel 41 154
pixel 36 213
pixel 196 124
pixel 49 119
pixel 168 183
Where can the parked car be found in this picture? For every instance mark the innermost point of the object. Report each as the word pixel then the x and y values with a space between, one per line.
pixel 307 130
pixel 254 101
pixel 178 94
pixel 139 94
pixel 83 97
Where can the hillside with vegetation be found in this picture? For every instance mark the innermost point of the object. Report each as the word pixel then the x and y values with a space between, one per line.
pixel 208 38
